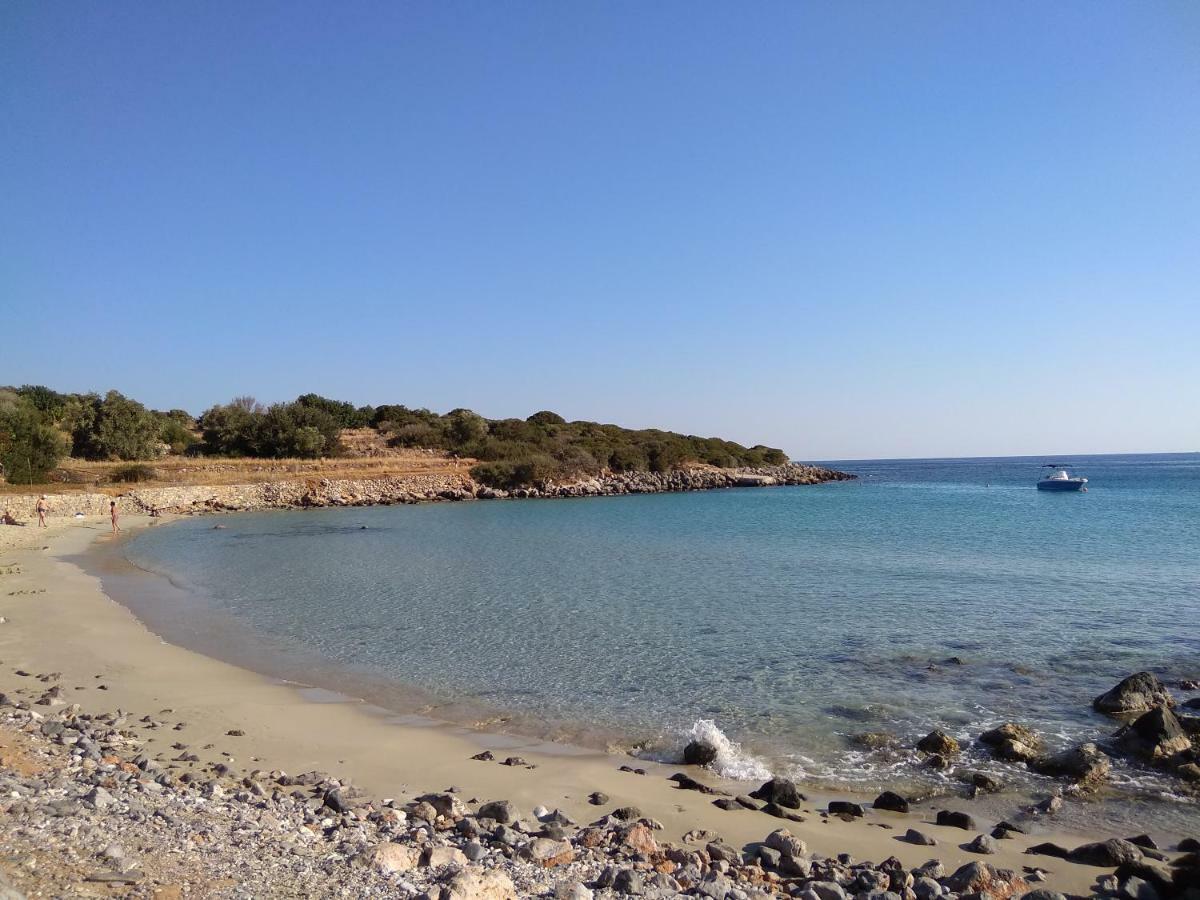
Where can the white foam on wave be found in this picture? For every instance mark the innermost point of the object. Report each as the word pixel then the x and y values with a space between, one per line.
pixel 732 760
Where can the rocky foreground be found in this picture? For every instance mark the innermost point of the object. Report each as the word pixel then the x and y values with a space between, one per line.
pixel 303 493
pixel 89 809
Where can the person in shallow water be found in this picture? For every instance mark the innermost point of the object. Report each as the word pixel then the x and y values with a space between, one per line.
pixel 114 515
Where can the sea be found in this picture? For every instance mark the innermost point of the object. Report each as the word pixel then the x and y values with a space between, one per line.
pixel 781 623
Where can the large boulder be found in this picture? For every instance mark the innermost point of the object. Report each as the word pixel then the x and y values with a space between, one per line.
pixel 1013 742
pixel 388 858
pixel 547 853
pixel 1106 854
pixel 781 792
pixel 955 819
pixel 1155 736
pixel 699 753
pixel 890 800
pixel 479 884
pixel 1138 693
pixel 979 877
pixel 938 742
pixel 786 843
pixel 1085 765
pixel 502 811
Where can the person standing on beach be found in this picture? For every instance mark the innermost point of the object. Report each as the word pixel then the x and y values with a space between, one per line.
pixel 42 507
pixel 114 515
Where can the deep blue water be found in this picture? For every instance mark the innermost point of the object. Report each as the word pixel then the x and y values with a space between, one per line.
pixel 791 617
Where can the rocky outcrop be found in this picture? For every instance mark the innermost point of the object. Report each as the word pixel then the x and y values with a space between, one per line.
pixel 1155 736
pixel 1138 693
pixel 1013 742
pixel 697 479
pixel 699 753
pixel 302 493
pixel 781 792
pixel 1085 765
pixel 938 742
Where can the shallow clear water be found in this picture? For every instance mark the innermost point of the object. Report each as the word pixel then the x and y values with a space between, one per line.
pixel 792 617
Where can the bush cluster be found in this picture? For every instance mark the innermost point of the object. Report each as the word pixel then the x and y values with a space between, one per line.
pixel 133 472
pixel 30 444
pixel 515 452
pixel 38 426
pixel 280 431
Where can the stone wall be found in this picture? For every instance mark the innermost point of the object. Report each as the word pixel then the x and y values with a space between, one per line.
pixel 317 492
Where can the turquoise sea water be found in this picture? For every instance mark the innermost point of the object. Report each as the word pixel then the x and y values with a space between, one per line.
pixel 792 618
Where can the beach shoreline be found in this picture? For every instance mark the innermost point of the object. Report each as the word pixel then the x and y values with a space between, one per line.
pixel 58 620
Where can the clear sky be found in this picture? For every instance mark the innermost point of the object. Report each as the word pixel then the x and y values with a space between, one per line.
pixel 851 230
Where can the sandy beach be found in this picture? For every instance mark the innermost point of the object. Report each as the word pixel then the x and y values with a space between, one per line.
pixel 57 620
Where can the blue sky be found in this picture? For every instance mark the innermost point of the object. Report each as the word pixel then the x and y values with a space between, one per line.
pixel 850 230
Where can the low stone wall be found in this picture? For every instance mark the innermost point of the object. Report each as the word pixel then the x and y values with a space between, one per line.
pixel 318 492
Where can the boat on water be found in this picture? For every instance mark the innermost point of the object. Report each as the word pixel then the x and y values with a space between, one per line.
pixel 1060 479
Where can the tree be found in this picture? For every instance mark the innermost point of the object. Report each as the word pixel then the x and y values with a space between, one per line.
pixel 124 430
pixel 229 430
pixel 343 413
pixel 48 402
pixel 174 433
pixel 545 417
pixel 30 446
pixel 465 426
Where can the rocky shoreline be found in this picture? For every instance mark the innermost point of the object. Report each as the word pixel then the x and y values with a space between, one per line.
pixel 89 802
pixel 305 493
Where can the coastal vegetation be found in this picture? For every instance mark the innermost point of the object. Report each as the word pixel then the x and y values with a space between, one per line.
pixel 40 427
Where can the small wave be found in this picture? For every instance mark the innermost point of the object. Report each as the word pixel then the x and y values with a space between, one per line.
pixel 732 760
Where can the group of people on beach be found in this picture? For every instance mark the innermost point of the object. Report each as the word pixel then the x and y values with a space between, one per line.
pixel 42 507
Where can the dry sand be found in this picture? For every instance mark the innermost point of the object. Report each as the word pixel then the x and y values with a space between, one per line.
pixel 57 619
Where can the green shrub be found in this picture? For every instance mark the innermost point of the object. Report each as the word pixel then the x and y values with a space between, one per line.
pixel 114 427
pixel 133 472
pixel 175 434
pixel 345 414
pixel 30 446
pixel 511 474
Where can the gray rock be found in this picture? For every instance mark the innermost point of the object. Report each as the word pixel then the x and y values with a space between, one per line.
pixel 1106 854
pixel 1085 765
pixel 1050 849
pixel 786 843
pixel 982 844
pixel 955 819
pixel 1135 888
pixel 769 857
pixel 781 792
pixel 99 798
pixel 1155 736
pixel 891 801
pixel 913 836
pixel 827 890
pixel 939 743
pixel 502 811
pixel 628 881
pixel 1139 692
pixel 723 852
pixel 1050 805
pixel 714 886
pixel 845 808
pixel 926 888
pixel 699 753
